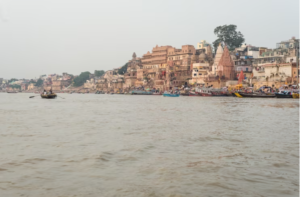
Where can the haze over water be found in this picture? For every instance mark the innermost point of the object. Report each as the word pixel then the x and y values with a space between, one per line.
pixel 118 145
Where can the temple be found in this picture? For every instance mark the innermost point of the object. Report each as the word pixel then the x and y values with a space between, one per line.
pixel 225 68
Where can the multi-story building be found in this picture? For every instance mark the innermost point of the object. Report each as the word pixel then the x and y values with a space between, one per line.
pixel 130 77
pixel 31 86
pixel 244 58
pixel 203 45
pixel 111 81
pixel 277 65
pixel 154 67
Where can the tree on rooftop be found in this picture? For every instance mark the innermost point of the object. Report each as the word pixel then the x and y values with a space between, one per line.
pixel 228 34
pixel 15 86
pixel 99 73
pixel 39 83
pixel 123 69
pixel 81 79
pixel 12 80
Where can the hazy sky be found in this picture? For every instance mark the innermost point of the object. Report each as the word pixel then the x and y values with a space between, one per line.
pixel 54 36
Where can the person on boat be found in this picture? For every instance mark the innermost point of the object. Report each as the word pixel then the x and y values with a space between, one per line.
pixel 45 92
pixel 50 92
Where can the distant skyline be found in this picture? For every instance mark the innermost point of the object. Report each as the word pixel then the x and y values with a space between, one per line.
pixel 45 37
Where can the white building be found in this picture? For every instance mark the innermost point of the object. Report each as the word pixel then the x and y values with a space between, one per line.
pixel 217 59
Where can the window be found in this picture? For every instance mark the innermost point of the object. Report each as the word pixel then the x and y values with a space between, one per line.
pixel 200 74
pixel 246 69
pixel 195 74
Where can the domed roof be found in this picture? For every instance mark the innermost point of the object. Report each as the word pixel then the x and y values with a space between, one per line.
pixel 202 56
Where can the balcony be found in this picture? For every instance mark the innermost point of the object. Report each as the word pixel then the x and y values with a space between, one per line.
pixel 159 53
pixel 182 68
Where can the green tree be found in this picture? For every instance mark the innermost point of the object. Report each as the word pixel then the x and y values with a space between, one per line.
pixel 32 81
pixel 81 79
pixel 228 35
pixel 39 82
pixel 15 86
pixel 123 69
pixel 99 73
pixel 12 80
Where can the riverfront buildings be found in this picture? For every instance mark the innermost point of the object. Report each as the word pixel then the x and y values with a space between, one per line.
pixel 167 67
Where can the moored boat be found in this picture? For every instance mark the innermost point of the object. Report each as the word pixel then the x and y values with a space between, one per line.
pixel 284 95
pixel 257 95
pixel 12 92
pixel 157 93
pixel 194 94
pixel 170 95
pixel 295 95
pixel 140 92
pixel 185 94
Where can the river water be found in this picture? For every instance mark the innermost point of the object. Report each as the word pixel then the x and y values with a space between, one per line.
pixel 148 146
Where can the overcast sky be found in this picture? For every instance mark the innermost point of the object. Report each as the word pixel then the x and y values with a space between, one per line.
pixel 54 36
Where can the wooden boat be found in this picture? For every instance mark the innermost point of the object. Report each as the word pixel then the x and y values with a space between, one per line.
pixel 206 94
pixel 257 95
pixel 295 95
pixel 216 93
pixel 140 92
pixel 185 94
pixel 203 91
pixel 284 95
pixel 237 94
pixel 157 94
pixel 170 95
pixel 49 96
pixel 12 92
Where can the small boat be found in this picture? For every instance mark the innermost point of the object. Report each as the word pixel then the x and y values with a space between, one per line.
pixel 204 91
pixel 284 94
pixel 157 93
pixel 49 96
pixel 257 95
pixel 12 92
pixel 217 93
pixel 140 92
pixel 170 95
pixel 194 94
pixel 185 94
pixel 295 95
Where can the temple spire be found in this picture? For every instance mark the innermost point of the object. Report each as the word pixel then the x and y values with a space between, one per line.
pixel 134 56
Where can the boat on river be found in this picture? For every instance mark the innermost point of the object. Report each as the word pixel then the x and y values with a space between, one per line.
pixel 170 95
pixel 12 92
pixel 257 95
pixel 157 93
pixel 49 96
pixel 284 94
pixel 140 92
pixel 295 95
